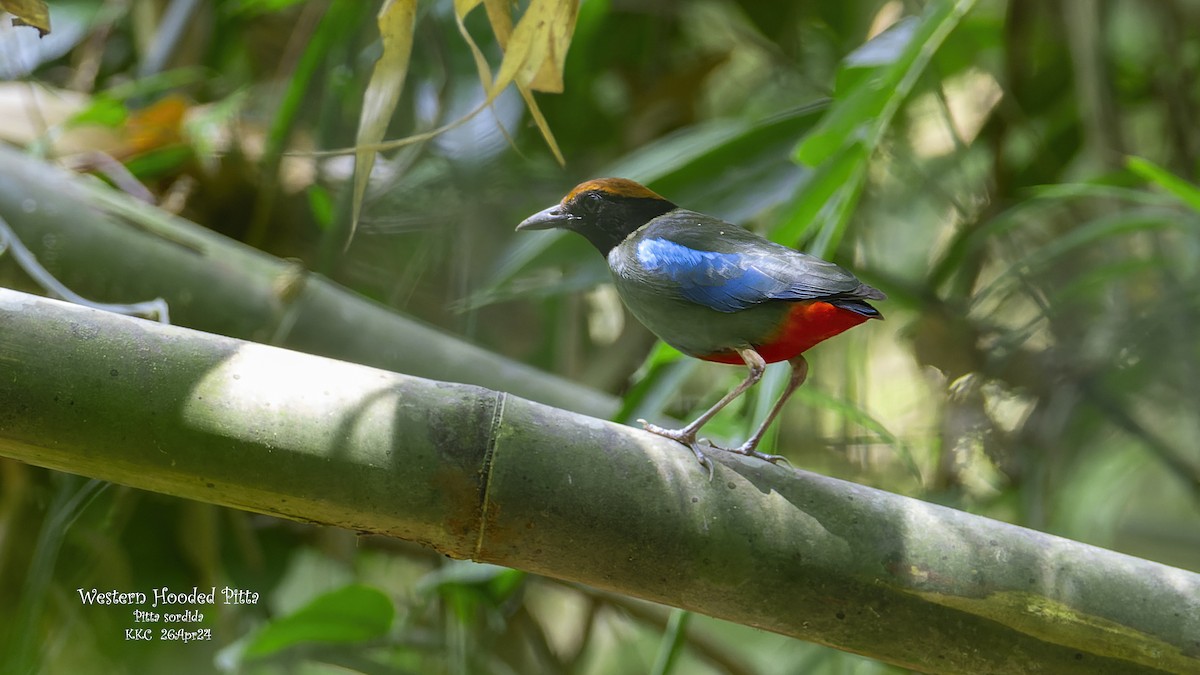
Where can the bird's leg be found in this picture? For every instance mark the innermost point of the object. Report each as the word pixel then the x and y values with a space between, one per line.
pixel 799 374
pixel 687 435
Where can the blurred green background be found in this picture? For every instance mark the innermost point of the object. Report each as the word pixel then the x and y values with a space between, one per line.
pixel 1017 176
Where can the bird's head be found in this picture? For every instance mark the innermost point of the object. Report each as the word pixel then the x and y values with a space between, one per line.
pixel 605 210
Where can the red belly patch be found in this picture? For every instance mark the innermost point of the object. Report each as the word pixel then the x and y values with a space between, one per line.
pixel 807 324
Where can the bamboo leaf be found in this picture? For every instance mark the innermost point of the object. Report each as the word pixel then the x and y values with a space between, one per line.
pixel 534 54
pixel 543 126
pixel 865 113
pixel 500 17
pixel 396 19
pixel 1182 190
pixel 549 75
pixel 352 614
pixel 537 48
pixel 824 204
pixel 533 59
pixel 34 13
pixel 461 9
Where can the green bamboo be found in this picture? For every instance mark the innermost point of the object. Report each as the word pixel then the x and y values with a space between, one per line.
pixel 492 477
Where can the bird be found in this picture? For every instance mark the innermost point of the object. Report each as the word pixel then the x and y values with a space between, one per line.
pixel 712 290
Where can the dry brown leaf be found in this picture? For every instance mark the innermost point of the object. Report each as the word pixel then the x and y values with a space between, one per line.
pixel 461 9
pixel 534 53
pixel 32 13
pixel 500 17
pixel 549 77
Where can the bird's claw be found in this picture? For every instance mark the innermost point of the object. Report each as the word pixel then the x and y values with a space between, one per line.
pixel 689 439
pixel 680 436
pixel 773 459
pixel 747 450
pixel 704 461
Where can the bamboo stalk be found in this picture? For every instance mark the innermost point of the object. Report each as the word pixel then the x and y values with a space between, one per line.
pixel 489 476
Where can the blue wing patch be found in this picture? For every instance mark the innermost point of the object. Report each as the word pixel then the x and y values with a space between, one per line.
pixel 726 282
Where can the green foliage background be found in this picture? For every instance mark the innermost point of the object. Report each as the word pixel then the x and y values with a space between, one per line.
pixel 1017 176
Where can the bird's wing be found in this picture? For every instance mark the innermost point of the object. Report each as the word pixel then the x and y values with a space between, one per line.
pixel 728 268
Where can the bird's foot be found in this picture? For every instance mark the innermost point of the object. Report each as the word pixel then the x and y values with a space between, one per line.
pixel 748 450
pixel 684 437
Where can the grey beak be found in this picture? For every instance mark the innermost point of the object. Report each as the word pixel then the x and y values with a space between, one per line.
pixel 547 219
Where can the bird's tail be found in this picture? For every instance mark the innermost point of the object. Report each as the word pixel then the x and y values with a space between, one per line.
pixel 857 306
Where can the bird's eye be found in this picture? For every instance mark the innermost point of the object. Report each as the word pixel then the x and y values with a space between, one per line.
pixel 587 204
